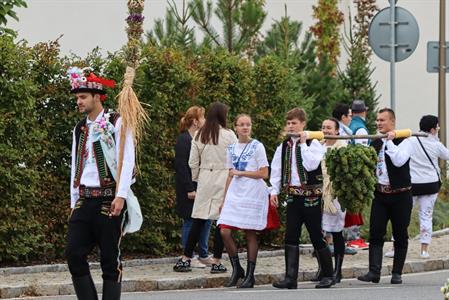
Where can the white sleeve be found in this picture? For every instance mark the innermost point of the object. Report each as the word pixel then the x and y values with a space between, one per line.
pixel 261 157
pixel 361 131
pixel 229 163
pixel 129 157
pixel 276 170
pixel 399 154
pixel 74 192
pixel 443 152
pixel 312 155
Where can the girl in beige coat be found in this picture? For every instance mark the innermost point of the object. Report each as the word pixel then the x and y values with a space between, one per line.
pixel 208 164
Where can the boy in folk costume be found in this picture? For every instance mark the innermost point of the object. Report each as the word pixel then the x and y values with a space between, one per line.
pixel 102 210
pixel 296 170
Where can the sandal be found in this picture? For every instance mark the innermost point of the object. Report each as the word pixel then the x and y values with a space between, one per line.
pixel 182 266
pixel 218 268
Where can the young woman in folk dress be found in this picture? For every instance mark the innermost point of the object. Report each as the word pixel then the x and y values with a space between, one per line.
pixel 246 201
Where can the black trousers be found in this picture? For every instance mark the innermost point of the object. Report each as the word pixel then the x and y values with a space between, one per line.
pixel 90 226
pixel 194 237
pixel 302 210
pixel 395 208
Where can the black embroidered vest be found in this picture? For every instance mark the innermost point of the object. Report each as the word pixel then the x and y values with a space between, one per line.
pixel 399 177
pixel 310 178
pixel 81 136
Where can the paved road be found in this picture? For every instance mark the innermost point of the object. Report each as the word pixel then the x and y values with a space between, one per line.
pixel 420 286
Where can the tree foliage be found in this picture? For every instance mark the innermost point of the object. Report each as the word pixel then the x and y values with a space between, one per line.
pixel 7 10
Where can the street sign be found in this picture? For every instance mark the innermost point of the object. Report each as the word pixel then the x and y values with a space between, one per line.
pixel 406 37
pixel 433 55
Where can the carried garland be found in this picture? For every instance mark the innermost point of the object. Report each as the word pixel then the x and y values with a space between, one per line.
pixel 352 172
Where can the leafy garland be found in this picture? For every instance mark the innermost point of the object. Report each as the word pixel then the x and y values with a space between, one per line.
pixel 352 172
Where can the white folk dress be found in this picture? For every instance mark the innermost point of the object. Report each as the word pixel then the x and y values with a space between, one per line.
pixel 246 202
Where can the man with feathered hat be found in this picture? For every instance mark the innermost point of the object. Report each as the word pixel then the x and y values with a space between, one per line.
pixel 103 205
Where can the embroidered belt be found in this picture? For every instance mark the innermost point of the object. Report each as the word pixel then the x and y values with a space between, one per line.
pixel 387 189
pixel 96 192
pixel 306 191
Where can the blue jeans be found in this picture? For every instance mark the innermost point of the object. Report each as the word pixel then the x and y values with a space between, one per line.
pixel 204 236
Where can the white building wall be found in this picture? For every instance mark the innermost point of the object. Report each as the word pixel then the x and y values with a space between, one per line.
pixel 86 24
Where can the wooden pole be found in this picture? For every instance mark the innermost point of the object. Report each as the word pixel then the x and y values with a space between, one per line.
pixel 355 137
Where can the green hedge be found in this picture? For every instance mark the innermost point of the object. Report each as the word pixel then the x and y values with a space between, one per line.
pixel 38 115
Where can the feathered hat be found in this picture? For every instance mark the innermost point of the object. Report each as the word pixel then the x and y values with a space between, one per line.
pixel 83 80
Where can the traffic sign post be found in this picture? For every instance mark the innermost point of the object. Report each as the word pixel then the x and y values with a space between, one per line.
pixel 393 35
pixel 433 55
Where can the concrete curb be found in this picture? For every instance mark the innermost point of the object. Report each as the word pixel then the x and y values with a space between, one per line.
pixel 209 281
pixel 304 249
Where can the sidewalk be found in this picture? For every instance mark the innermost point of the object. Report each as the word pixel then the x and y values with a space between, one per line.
pixel 146 275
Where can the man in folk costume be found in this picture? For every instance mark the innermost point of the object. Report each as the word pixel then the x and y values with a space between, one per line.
pixel 102 210
pixel 296 170
pixel 392 198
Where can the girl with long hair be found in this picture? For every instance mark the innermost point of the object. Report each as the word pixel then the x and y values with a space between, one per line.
pixel 208 164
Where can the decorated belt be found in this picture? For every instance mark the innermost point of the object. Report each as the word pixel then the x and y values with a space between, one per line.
pixel 97 192
pixel 305 191
pixel 387 189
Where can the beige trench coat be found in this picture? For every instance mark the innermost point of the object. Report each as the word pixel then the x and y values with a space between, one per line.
pixel 208 164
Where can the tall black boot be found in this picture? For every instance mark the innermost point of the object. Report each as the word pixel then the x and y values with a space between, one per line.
pixel 375 264
pixel 111 290
pixel 249 280
pixel 85 288
pixel 319 274
pixel 237 271
pixel 291 268
pixel 398 264
pixel 338 265
pixel 325 258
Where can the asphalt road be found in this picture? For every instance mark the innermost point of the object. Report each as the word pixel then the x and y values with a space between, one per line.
pixel 419 286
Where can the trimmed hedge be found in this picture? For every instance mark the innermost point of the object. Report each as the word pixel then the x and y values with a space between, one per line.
pixel 38 115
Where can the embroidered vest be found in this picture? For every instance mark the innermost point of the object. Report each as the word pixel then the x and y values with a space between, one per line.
pixel 399 177
pixel 307 178
pixel 81 137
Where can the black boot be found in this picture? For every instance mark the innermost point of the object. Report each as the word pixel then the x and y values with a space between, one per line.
pixel 325 258
pixel 249 280
pixel 318 275
pixel 111 290
pixel 291 268
pixel 375 264
pixel 85 288
pixel 398 264
pixel 338 265
pixel 237 271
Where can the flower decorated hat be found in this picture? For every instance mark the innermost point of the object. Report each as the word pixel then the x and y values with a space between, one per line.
pixel 82 80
